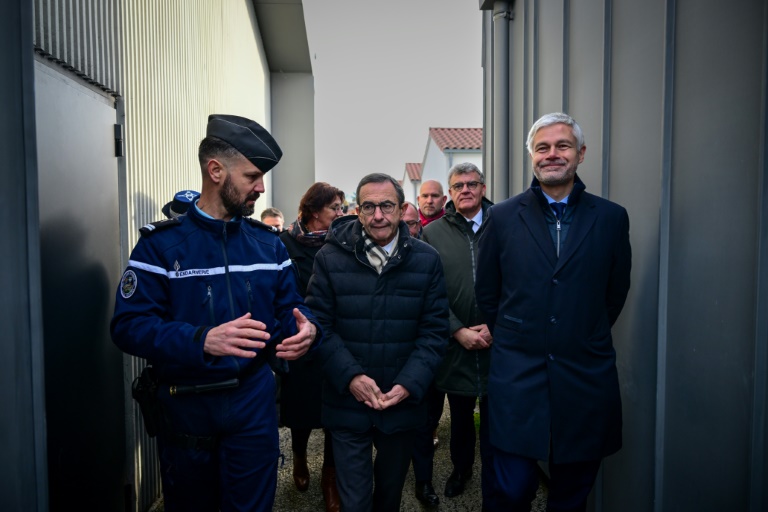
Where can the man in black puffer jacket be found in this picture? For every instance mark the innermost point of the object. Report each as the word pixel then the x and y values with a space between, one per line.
pixel 380 297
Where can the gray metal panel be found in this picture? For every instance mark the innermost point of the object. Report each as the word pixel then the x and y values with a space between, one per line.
pixel 551 56
pixel 293 109
pixel 758 495
pixel 283 30
pixel 636 171
pixel 80 261
pixel 585 83
pixel 675 92
pixel 713 227
pixel 23 471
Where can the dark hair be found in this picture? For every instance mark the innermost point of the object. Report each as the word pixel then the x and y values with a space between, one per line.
pixel 378 177
pixel 271 212
pixel 214 147
pixel 316 197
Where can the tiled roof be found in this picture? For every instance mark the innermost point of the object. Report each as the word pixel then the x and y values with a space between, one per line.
pixel 457 138
pixel 413 171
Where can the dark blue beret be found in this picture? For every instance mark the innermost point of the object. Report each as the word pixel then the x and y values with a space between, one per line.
pixel 248 137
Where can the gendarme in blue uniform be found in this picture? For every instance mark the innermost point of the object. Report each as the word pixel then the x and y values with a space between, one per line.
pixel 190 274
pixel 184 277
pixel 218 448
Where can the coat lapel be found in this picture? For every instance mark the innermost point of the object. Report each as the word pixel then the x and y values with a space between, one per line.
pixel 584 219
pixel 533 218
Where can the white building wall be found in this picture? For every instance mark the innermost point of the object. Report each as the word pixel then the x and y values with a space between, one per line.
pixel 437 163
pixel 434 166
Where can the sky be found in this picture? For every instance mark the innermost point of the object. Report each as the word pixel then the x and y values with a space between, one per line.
pixel 385 72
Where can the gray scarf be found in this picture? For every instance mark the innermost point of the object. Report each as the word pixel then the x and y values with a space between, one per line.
pixel 377 255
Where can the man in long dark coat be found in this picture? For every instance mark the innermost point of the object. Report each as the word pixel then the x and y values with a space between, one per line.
pixel 552 277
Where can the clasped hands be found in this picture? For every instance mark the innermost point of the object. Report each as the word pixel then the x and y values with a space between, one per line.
pixel 365 390
pixel 476 337
pixel 240 336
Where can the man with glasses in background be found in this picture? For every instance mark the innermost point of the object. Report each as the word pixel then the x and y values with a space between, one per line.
pixel 463 374
pixel 411 219
pixel 380 296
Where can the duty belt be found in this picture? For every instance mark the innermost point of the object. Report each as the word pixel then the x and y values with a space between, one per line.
pixel 209 443
pixel 259 361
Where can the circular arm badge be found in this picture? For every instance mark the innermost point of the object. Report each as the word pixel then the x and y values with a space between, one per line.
pixel 128 284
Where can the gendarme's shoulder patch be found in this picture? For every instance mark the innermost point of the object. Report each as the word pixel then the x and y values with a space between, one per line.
pixel 154 227
pixel 259 224
pixel 128 284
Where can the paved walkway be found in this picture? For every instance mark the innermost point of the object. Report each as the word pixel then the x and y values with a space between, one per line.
pixel 288 499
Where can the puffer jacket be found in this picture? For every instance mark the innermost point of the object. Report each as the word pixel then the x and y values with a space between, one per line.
pixel 462 372
pixel 391 326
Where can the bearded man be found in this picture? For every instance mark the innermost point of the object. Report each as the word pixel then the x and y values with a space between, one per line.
pixel 207 298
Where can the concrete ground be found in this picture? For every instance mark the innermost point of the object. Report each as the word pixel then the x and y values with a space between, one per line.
pixel 288 499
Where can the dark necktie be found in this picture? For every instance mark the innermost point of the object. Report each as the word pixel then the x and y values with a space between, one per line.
pixel 470 226
pixel 558 208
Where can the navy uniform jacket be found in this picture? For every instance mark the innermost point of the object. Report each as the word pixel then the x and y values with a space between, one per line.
pixel 553 371
pixel 190 274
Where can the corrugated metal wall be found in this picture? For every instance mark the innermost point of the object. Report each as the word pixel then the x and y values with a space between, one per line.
pixel 183 61
pixel 84 37
pixel 168 65
pixel 672 98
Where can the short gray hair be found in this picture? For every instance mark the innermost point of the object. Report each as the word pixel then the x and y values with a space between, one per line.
pixel 464 168
pixel 555 118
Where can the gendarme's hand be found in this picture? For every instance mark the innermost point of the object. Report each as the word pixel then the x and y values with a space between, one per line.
pixel 298 344
pixel 235 338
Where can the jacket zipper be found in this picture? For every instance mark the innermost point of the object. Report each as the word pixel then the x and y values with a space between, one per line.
pixel 474 277
pixel 229 285
pixel 250 295
pixel 226 271
pixel 210 306
pixel 558 237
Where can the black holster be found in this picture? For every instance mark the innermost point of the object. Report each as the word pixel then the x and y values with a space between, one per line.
pixel 144 391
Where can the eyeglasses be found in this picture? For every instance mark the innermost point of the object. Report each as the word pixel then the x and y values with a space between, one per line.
pixel 386 207
pixel 338 208
pixel 411 223
pixel 471 185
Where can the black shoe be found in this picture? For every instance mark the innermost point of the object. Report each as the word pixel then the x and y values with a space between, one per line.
pixel 455 484
pixel 426 494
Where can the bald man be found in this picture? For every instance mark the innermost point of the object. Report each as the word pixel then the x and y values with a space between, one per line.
pixel 431 202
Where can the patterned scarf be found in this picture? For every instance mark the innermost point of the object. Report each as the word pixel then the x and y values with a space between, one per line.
pixel 377 255
pixel 308 238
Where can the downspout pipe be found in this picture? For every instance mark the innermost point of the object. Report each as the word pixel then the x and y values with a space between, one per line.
pixel 501 92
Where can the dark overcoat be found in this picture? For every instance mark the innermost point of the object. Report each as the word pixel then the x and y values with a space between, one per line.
pixel 553 382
